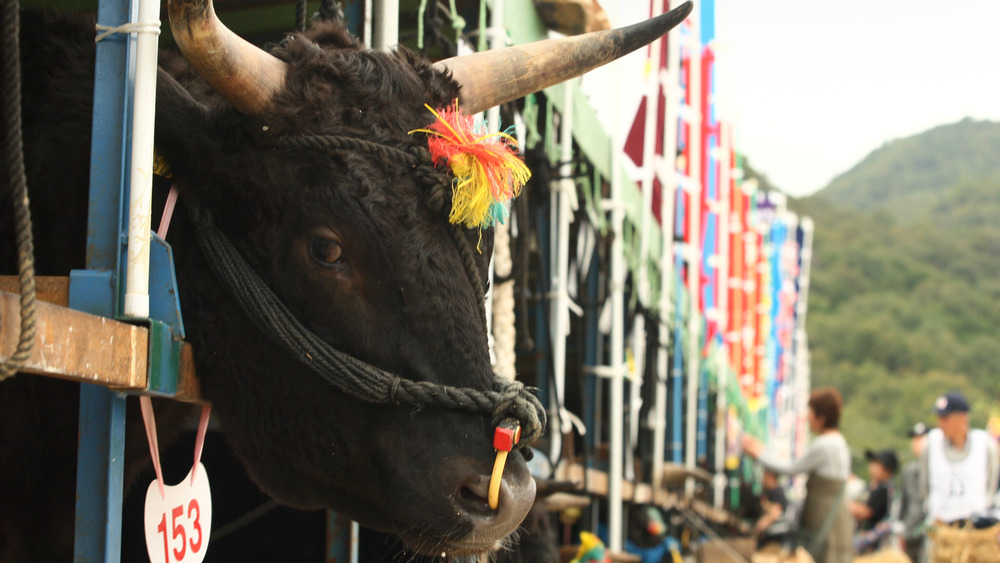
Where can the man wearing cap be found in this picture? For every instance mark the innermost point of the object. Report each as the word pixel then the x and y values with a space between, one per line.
pixel 959 469
pixel 871 510
pixel 911 501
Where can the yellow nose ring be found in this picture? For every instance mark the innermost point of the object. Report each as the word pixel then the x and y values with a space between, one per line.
pixel 505 437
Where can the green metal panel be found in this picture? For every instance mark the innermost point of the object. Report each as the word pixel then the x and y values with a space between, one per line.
pixel 164 359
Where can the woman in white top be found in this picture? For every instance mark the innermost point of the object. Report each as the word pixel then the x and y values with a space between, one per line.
pixel 827 461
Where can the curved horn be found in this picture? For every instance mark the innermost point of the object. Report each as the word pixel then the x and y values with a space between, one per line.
pixel 247 76
pixel 490 78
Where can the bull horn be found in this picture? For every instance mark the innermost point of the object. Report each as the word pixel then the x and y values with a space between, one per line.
pixel 490 78
pixel 244 74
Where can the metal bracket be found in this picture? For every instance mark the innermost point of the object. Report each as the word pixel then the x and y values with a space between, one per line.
pixel 164 300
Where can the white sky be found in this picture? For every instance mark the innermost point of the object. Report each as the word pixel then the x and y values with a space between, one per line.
pixel 813 86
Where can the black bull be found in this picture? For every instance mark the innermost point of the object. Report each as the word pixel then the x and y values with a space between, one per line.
pixel 347 239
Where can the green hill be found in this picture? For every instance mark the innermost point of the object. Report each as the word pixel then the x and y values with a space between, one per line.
pixel 905 176
pixel 905 297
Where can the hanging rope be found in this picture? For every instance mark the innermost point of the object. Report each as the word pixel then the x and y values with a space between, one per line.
pixel 15 168
pixel 429 25
pixel 300 15
pixel 330 10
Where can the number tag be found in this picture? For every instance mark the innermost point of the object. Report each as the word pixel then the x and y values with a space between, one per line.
pixel 178 525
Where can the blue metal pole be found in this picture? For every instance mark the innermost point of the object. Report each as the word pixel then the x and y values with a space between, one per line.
pixel 775 239
pixel 102 412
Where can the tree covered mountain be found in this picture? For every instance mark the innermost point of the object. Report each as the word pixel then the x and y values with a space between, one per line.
pixel 907 176
pixel 905 297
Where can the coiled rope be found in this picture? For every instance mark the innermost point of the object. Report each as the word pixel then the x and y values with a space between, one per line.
pixel 16 179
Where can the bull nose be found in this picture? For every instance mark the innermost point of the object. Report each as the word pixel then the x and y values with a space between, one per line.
pixel 517 493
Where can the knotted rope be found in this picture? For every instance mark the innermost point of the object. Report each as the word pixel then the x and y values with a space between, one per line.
pixel 345 372
pixel 14 149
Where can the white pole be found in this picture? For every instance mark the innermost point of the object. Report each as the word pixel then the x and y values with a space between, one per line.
pixel 667 170
pixel 141 174
pixel 617 359
pixel 563 201
pixel 694 249
pixel 367 24
pixel 648 174
pixel 386 32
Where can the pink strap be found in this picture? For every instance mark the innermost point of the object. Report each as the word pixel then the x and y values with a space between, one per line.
pixel 199 443
pixel 168 213
pixel 154 447
pixel 146 404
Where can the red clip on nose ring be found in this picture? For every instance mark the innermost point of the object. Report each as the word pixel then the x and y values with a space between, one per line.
pixel 505 437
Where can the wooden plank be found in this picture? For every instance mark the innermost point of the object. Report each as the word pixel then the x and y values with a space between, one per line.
pixel 78 346
pixel 51 289
pixel 595 482
pixel 55 290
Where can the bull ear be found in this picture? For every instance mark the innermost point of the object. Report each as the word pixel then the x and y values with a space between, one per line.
pixel 491 78
pixel 182 132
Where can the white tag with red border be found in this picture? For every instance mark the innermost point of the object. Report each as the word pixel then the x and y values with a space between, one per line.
pixel 178 524
pixel 177 519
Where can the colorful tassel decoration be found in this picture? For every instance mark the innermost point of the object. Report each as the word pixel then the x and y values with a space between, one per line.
pixel 488 172
pixel 591 550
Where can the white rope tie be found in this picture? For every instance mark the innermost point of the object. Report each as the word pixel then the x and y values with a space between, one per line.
pixel 136 27
pixel 504 331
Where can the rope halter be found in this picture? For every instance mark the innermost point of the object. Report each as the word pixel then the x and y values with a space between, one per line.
pixel 507 400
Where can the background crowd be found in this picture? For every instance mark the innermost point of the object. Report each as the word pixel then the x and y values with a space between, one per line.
pixel 945 495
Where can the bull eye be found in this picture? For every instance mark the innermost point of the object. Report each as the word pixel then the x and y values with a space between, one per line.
pixel 325 251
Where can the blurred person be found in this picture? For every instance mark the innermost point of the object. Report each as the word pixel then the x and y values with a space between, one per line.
pixel 959 471
pixel 911 499
pixel 826 526
pixel 959 468
pixel 773 525
pixel 871 509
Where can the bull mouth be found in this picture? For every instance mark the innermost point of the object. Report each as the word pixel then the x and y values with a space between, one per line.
pixel 475 544
pixel 476 529
pixel 461 548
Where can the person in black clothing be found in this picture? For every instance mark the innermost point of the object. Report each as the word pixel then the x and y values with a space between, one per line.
pixel 871 510
pixel 772 526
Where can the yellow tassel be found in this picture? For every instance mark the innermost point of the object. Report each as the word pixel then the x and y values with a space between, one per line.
pixel 487 171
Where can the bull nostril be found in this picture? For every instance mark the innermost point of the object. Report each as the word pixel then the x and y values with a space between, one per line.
pixel 472 499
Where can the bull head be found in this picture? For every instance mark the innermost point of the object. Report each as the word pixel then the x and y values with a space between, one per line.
pixel 353 242
pixel 249 77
